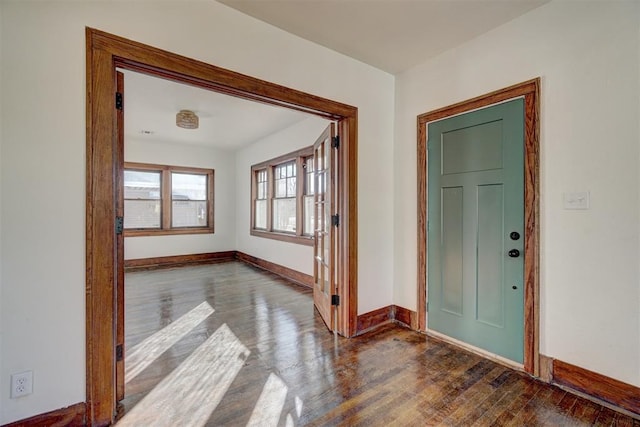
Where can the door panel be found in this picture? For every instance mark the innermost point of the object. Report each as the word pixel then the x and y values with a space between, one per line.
pixel 472 149
pixel 475 200
pixel 452 250
pixel 489 291
pixel 324 232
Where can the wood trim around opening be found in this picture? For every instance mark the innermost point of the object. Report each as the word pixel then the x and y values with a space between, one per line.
pixel 530 91
pixel 106 52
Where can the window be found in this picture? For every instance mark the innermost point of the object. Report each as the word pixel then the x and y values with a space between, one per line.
pixel 161 199
pixel 308 196
pixel 282 198
pixel 261 200
pixel 142 202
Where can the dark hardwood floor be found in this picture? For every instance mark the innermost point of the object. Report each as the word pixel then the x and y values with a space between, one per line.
pixel 257 354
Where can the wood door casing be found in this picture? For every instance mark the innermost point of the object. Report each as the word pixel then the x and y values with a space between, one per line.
pixel 119 288
pixel 104 53
pixel 530 90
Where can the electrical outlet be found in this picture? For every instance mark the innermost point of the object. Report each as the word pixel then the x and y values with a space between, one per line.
pixel 21 384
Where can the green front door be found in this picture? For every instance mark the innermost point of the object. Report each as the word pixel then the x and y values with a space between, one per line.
pixel 476 228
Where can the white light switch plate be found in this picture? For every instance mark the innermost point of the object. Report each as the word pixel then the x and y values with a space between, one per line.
pixel 578 200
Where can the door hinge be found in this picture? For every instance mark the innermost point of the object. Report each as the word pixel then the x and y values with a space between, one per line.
pixel 119 353
pixel 119 224
pixel 335 299
pixel 335 220
pixel 119 101
pixel 335 142
pixel 427 306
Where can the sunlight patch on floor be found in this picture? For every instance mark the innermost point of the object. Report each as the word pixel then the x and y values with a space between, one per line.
pixel 298 406
pixel 140 356
pixel 289 420
pixel 189 395
pixel 270 403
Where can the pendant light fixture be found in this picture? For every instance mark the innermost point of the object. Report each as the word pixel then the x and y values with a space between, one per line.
pixel 187 119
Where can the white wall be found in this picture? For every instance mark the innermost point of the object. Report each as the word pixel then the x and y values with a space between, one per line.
pixel 43 162
pixel 300 135
pixel 223 164
pixel 587 54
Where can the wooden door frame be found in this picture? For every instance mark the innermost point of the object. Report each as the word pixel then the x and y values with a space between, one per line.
pixel 119 182
pixel 105 52
pixel 530 91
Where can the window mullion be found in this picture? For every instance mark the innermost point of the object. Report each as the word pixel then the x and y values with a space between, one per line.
pixel 299 195
pixel 270 194
pixel 166 199
pixel 254 196
pixel 210 201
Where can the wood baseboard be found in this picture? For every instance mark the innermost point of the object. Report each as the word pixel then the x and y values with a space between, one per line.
pixel 177 260
pixel 373 319
pixel 282 271
pixel 210 257
pixel 73 415
pixel 380 316
pixel 615 392
pixel 405 316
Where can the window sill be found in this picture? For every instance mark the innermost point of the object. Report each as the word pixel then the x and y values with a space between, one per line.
pixel 157 232
pixel 283 237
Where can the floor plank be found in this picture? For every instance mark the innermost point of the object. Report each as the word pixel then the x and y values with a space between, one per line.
pixel 264 357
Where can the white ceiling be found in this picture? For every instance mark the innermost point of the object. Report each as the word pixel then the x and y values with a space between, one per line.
pixel 392 35
pixel 226 122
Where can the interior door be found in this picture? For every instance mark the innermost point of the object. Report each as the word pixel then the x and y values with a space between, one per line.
pixel 120 238
pixel 476 228
pixel 324 167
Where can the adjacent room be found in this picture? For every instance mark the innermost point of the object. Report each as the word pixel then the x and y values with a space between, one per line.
pixel 195 190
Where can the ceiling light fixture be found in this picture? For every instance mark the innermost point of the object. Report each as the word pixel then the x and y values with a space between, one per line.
pixel 187 119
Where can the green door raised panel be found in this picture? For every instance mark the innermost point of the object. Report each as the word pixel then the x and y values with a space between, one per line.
pixel 475 203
